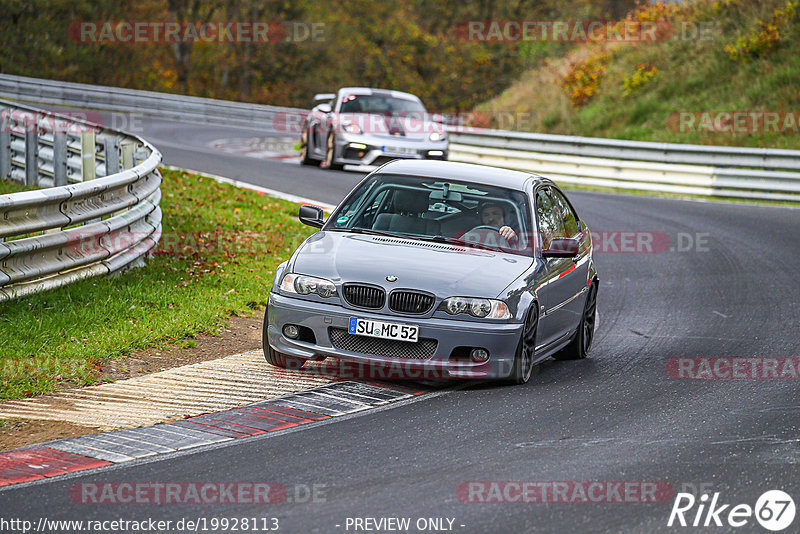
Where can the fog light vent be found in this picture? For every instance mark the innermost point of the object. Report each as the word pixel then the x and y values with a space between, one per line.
pixel 291 331
pixel 479 355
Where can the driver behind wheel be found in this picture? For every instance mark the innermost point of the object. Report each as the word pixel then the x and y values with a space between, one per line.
pixel 492 215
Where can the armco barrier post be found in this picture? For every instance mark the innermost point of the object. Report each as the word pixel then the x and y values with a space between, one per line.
pixel 32 157
pixel 111 149
pixel 127 155
pixel 59 159
pixel 88 163
pixel 5 154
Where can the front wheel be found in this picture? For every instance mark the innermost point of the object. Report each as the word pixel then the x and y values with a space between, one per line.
pixel 579 347
pixel 523 361
pixel 273 357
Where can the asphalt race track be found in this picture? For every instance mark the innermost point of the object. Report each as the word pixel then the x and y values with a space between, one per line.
pixel 722 281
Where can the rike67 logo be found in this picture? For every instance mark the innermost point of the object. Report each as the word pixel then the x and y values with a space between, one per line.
pixel 774 510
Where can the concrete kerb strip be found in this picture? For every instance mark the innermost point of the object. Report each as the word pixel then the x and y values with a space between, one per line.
pixel 107 467
pixel 317 405
pixel 174 393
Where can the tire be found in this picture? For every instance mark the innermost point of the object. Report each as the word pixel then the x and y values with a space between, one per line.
pixel 581 343
pixel 305 159
pixel 274 357
pixel 523 360
pixel 329 152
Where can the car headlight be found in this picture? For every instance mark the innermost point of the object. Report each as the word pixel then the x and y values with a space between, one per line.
pixel 305 285
pixel 481 308
pixel 351 127
pixel 436 136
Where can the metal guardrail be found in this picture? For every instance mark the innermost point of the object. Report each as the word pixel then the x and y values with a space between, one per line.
pixel 99 209
pixel 166 105
pixel 732 172
pixel 685 154
pixel 645 175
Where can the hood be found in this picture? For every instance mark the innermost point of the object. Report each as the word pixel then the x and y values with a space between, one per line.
pixel 441 269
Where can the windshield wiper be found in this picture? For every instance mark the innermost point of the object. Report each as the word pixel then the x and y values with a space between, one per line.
pixel 436 238
pixel 370 231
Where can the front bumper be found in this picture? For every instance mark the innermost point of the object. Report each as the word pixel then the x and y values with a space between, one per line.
pixel 365 149
pixel 500 339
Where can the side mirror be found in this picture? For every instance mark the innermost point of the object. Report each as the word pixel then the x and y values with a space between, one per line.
pixel 324 108
pixel 562 247
pixel 311 215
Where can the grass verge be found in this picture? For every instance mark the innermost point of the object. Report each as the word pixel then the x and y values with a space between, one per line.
pixel 217 257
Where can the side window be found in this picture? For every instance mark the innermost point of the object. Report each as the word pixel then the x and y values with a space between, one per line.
pixel 550 224
pixel 565 213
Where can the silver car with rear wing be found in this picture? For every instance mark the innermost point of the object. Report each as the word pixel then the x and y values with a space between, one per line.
pixel 369 127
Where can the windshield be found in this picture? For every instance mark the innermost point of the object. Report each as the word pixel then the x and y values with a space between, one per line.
pixel 470 214
pixel 380 103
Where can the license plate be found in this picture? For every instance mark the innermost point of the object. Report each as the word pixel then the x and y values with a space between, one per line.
pixel 398 150
pixel 366 327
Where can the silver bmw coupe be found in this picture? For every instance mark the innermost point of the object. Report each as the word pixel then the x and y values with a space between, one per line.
pixel 441 269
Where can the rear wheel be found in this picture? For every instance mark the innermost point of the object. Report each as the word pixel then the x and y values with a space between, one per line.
pixel 273 357
pixel 305 159
pixel 523 361
pixel 329 154
pixel 580 345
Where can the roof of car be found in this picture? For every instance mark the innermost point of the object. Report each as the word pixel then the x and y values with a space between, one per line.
pixel 373 91
pixel 466 172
